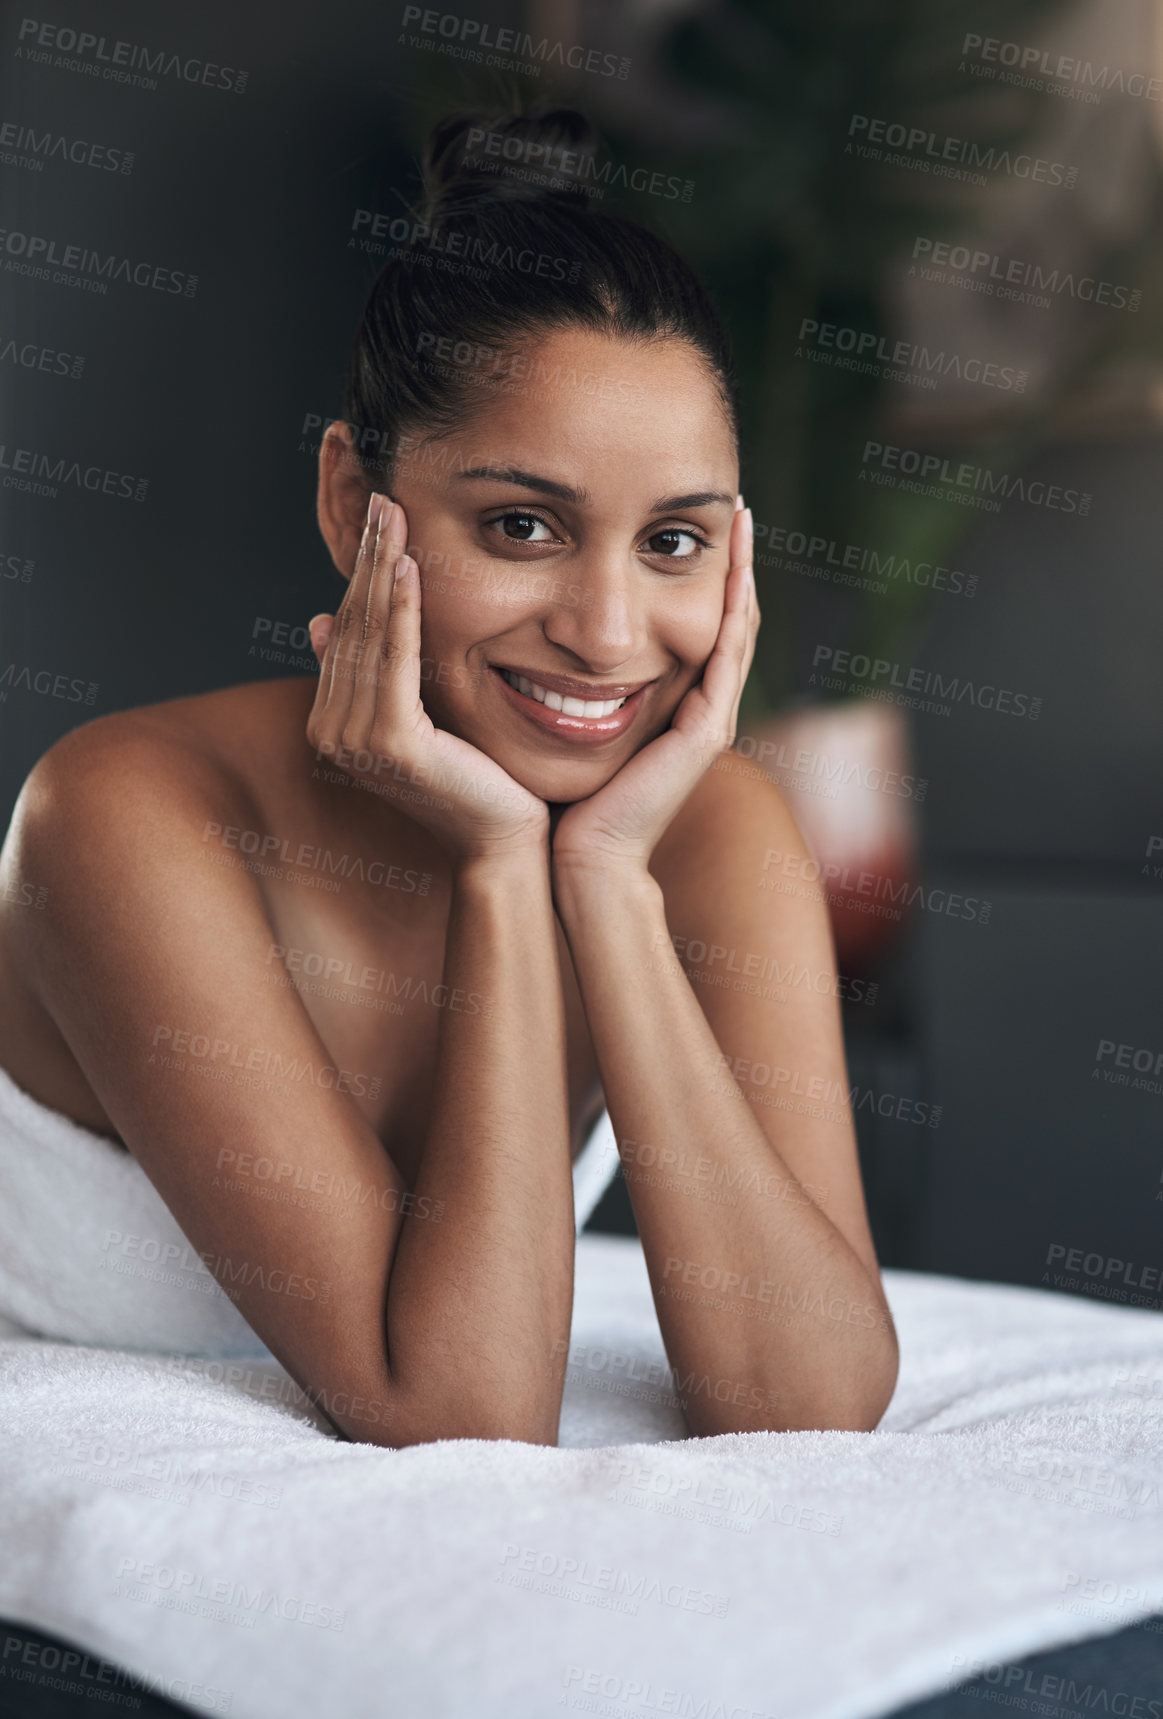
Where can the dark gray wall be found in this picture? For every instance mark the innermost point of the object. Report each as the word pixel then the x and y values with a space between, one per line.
pixel 206 397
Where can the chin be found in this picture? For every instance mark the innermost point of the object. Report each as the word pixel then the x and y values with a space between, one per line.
pixel 560 783
pixel 553 774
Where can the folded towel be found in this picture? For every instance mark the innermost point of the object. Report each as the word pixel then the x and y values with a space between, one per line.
pixel 190 1519
pixel 90 1253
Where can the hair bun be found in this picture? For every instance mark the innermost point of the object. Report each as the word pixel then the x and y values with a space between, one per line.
pixel 506 157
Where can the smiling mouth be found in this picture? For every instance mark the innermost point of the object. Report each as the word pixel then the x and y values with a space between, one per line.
pixel 590 709
pixel 565 715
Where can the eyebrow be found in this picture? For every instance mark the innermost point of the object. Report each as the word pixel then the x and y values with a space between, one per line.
pixel 563 491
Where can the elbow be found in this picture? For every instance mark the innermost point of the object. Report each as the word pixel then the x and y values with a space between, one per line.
pixel 862 1416
pixel 854 1399
pixel 370 1401
pixel 872 1390
pixel 864 1388
pixel 394 1421
pixel 435 1429
pixel 497 1429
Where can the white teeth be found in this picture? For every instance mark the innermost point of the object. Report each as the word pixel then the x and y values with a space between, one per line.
pixel 587 707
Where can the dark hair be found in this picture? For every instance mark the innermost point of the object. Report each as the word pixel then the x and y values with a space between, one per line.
pixel 504 250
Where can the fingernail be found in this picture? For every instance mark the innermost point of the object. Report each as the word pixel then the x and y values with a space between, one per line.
pixel 380 510
pixel 403 565
pixel 738 502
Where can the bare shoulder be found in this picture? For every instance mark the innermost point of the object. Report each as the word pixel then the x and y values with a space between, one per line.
pixel 731 821
pixel 99 790
pixel 120 796
pixel 164 758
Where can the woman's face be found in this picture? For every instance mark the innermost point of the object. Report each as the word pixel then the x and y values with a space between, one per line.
pixel 572 544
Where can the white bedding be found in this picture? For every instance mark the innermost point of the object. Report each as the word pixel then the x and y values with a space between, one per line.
pixel 204 1531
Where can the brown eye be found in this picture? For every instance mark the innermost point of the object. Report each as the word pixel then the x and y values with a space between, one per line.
pixel 520 527
pixel 667 542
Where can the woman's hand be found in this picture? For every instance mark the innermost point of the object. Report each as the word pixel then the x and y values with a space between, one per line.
pixel 623 822
pixel 369 722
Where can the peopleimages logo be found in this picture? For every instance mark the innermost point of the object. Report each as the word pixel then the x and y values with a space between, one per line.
pixel 24 146
pixel 1104 1267
pixel 553 164
pixel 119 62
pixel 1145 1062
pixel 30 355
pixel 948 156
pixel 202 1268
pixel 252 1603
pixel 602 1585
pixel 805 761
pixel 827 558
pixel 474 39
pixel 1031 67
pixel 454 249
pixel 80 1673
pixel 637 1697
pixel 40 474
pixel 846 667
pixel 47 683
pixel 852 893
pixel 1006 277
pixel 869 352
pixel 926 473
pixel 77 265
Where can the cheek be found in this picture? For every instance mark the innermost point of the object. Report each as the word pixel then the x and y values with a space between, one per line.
pixel 454 619
pixel 441 556
pixel 687 627
pixel 442 641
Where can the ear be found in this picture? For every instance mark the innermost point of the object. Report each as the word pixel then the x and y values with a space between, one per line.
pixel 341 503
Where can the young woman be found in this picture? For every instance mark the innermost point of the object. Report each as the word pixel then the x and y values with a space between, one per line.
pixel 516 758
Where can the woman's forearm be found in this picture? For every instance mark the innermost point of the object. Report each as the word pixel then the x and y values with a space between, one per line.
pixel 479 1303
pixel 746 1287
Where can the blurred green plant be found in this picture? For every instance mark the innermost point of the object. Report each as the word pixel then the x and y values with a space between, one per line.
pixel 786 224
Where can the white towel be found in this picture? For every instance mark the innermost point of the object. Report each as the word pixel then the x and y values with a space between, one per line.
pixel 190 1520
pixel 90 1253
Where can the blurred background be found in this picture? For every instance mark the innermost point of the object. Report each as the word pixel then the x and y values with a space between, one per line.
pixel 933 228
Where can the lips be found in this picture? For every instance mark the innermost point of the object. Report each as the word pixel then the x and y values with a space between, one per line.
pixel 568 687
pixel 572 723
pixel 591 708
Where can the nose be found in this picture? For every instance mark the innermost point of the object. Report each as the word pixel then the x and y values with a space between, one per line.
pixel 598 615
